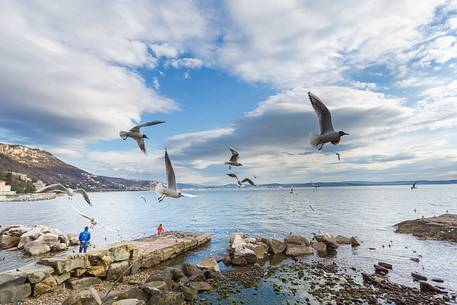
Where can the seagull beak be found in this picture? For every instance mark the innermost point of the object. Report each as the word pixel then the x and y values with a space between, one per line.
pixel 345 134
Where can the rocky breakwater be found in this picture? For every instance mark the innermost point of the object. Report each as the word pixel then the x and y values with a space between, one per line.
pixel 443 227
pixel 36 240
pixel 244 250
pixel 81 271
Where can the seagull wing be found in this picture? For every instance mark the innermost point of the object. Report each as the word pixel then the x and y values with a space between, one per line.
pixel 150 123
pixel 141 145
pixel 188 195
pixel 85 195
pixel 248 181
pixel 57 187
pixel 171 179
pixel 325 118
pixel 144 198
pixel 234 176
pixel 235 155
pixel 81 213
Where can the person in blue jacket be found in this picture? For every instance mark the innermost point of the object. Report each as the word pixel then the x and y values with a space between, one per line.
pixel 84 239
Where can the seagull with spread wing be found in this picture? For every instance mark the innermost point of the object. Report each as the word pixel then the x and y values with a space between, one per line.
pixel 144 198
pixel 339 156
pixel 136 134
pixel 233 159
pixel 171 190
pixel 92 220
pixel 413 187
pixel 242 182
pixel 328 134
pixel 59 189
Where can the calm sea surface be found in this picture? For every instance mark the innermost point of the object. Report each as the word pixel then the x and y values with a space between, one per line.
pixel 369 212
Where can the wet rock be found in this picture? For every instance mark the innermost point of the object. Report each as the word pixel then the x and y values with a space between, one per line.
pixel 418 277
pixel 73 239
pixel 380 270
pixel 190 270
pixel 438 228
pixel 319 246
pixel 120 253
pixel 83 283
pixel 426 287
pixel 355 241
pixel 274 246
pixel 190 294
pixel 342 240
pixel 260 249
pixel 385 265
pixel 415 259
pixel 437 280
pixel 134 293
pixel 9 241
pixel 242 252
pixel 298 250
pixel 197 277
pixel 47 285
pixel 117 270
pixel 154 286
pixel 36 273
pixel 166 298
pixel 176 273
pixel 60 278
pixel 209 263
pixel 328 239
pixel 200 286
pixel 296 240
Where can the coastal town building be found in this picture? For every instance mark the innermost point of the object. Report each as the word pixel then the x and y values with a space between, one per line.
pixel 5 189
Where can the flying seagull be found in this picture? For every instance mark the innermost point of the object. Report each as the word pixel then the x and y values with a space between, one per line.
pixel 92 220
pixel 144 198
pixel 242 182
pixel 328 134
pixel 170 190
pixel 413 187
pixel 233 159
pixel 292 191
pixel 59 189
pixel 135 134
pixel 339 156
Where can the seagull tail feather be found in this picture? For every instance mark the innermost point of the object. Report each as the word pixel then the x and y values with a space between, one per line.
pixel 123 134
pixel 314 139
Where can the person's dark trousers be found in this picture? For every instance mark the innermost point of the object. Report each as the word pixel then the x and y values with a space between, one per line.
pixel 83 246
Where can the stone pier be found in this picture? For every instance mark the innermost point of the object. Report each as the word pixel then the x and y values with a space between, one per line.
pixel 80 271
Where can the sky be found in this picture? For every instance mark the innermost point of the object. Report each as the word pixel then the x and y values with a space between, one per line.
pixel 234 73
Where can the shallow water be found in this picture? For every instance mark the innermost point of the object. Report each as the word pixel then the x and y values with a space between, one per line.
pixel 369 212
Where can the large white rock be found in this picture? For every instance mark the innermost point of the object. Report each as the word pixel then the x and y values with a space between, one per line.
pixel 9 241
pixel 36 247
pixel 36 273
pixel 66 263
pixel 209 263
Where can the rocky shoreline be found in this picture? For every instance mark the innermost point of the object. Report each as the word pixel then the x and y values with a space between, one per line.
pixel 443 227
pixel 27 197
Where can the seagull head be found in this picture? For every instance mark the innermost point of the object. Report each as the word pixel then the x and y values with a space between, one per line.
pixel 342 133
pixel 145 136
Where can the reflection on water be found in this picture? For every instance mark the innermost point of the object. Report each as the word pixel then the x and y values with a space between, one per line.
pixel 369 212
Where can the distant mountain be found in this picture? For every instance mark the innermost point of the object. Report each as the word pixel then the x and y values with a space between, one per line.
pixel 38 164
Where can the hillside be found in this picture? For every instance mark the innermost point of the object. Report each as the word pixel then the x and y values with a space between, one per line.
pixel 42 165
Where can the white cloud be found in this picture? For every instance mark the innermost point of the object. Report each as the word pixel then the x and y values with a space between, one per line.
pixel 189 63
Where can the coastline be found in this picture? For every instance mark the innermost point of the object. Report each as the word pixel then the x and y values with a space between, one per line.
pixel 27 197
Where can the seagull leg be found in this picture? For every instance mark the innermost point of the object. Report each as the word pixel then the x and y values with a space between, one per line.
pixel 320 146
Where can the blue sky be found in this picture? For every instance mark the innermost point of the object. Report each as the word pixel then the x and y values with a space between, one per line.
pixel 234 73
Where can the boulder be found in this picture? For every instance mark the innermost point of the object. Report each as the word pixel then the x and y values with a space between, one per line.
pixel 73 239
pixel 18 230
pixel 134 293
pixel 117 270
pixel 60 278
pixel 100 257
pixel 298 250
pixel 49 238
pixel 83 283
pixel 209 263
pixel 166 298
pixel 9 241
pixel 260 249
pixel 385 265
pixel 190 270
pixel 74 299
pixel 36 273
pixel 47 285
pixel 23 241
pixel 201 286
pixel 176 273
pixel 165 274
pixel 319 246
pixel 129 302
pixel 328 239
pixel 355 241
pixel 274 246
pixel 427 287
pixel 13 287
pixel 66 263
pixel 36 247
pixel 78 272
pixel 120 253
pixel 152 287
pixel 59 247
pixel 380 269
pixel 64 239
pixel 197 277
pixel 90 297
pixel 34 233
pixel 342 240
pixel 418 277
pixel 97 271
pixel 190 294
pixel 242 252
pixel 296 239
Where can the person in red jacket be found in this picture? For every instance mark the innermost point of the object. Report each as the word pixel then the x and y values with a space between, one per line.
pixel 160 230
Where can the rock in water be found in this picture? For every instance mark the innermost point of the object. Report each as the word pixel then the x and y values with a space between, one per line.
pixel 209 263
pixel 328 239
pixel 342 240
pixel 296 239
pixel 426 287
pixel 418 277
pixel 298 250
pixel 355 241
pixel 9 241
pixel 385 265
